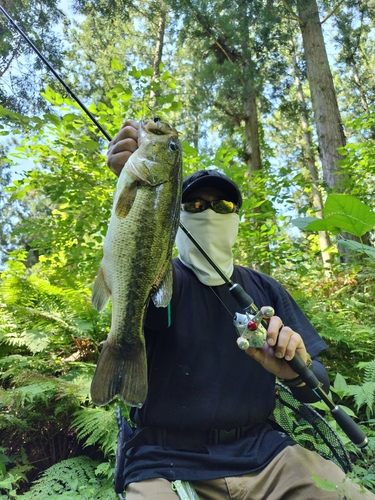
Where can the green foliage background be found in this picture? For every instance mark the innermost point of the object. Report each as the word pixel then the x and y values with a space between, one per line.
pixel 54 442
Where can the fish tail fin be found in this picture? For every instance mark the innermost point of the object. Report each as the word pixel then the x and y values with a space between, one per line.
pixel 120 371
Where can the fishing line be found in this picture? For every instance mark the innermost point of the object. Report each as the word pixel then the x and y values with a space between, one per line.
pixel 222 302
pixel 351 429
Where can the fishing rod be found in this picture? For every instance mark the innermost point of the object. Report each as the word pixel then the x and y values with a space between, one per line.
pixel 50 67
pixel 252 328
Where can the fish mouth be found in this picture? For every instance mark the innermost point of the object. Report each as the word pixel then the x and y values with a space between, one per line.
pixel 154 126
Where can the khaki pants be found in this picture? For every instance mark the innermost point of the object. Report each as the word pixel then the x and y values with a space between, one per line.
pixel 287 477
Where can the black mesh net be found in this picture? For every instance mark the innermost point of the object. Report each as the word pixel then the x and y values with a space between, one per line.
pixel 308 428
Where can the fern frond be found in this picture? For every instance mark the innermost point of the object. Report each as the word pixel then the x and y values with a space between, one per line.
pixel 97 426
pixel 73 479
pixel 32 339
pixel 370 372
pixel 30 388
pixel 32 392
pixel 30 295
pixel 76 384
pixel 9 421
pixel 15 364
pixel 54 317
pixel 363 394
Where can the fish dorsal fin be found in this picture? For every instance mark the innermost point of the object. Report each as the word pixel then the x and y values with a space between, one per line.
pixel 125 200
pixel 100 292
pixel 163 295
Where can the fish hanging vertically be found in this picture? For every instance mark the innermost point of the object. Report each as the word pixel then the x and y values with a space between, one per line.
pixel 137 261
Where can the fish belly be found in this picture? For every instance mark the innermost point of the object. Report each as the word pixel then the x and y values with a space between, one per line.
pixel 137 250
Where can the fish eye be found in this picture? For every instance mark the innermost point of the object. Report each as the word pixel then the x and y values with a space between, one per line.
pixel 173 146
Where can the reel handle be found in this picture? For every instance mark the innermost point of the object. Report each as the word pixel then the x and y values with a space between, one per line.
pixel 347 424
pixel 299 366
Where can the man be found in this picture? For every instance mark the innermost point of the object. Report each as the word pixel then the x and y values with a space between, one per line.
pixel 205 416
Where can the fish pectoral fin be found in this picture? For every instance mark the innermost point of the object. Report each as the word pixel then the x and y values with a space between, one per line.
pixel 125 200
pixel 100 292
pixel 120 371
pixel 163 295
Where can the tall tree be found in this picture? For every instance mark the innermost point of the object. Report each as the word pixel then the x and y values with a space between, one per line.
pixel 354 23
pixel 233 53
pixel 233 50
pixel 317 198
pixel 323 96
pixel 327 117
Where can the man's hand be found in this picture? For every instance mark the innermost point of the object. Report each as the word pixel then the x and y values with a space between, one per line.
pixel 122 146
pixel 282 343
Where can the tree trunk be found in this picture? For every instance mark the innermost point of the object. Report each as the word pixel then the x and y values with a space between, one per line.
pixel 324 240
pixel 324 103
pixel 160 39
pixel 251 128
pixel 159 45
pixel 253 157
pixel 323 96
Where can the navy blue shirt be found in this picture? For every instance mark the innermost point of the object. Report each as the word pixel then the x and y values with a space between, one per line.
pixel 199 379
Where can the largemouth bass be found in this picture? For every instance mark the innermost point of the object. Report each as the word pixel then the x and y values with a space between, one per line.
pixel 137 260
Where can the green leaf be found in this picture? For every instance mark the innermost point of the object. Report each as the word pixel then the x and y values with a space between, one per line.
pixel 69 117
pixel 92 145
pixel 303 222
pixel 349 214
pixel 166 75
pixel 341 213
pixel 2 469
pixel 324 484
pixel 340 384
pixel 322 225
pixel 52 118
pixel 358 247
pixel 92 108
pixel 190 150
pixel 166 99
pixel 116 65
pixel 147 72
pixel 135 73
pixel 127 95
pixel 117 88
pixel 174 106
pixel 51 96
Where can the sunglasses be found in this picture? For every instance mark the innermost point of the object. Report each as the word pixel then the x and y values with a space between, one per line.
pixel 218 206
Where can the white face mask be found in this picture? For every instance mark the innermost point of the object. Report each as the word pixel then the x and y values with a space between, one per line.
pixel 216 233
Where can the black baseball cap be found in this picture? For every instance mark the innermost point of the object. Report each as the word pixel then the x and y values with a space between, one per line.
pixel 214 179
